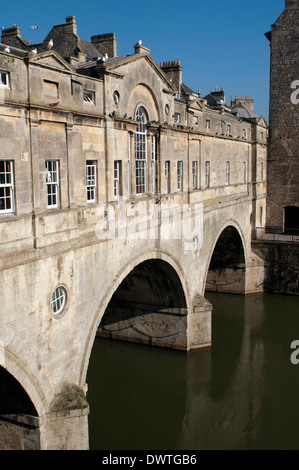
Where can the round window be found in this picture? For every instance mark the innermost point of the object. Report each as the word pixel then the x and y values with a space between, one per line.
pixel 58 300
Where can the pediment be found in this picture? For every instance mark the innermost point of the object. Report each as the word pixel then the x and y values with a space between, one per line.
pixel 146 62
pixel 51 60
pixel 197 105
pixel 262 122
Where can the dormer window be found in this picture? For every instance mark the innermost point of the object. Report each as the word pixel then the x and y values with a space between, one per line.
pixel 4 79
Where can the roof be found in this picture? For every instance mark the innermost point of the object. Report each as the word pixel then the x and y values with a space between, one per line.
pixel 240 111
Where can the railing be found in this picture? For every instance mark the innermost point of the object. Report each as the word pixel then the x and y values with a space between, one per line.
pixel 274 234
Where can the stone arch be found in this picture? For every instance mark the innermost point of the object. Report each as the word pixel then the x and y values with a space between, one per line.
pixel 14 398
pixel 22 375
pixel 226 266
pixel 119 278
pixel 142 95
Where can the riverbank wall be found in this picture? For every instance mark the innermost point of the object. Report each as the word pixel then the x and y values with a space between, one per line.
pixel 281 265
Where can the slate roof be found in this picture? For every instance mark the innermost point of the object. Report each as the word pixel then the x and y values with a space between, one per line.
pixel 240 111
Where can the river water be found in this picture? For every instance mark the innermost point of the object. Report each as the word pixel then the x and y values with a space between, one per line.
pixel 241 394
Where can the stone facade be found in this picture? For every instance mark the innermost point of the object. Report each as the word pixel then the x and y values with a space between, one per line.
pixel 283 169
pixel 118 185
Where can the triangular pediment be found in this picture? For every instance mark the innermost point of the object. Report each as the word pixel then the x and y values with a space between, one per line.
pixel 197 105
pixel 262 122
pixel 120 64
pixel 51 59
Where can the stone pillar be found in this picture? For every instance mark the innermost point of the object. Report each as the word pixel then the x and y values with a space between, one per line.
pixel 65 426
pixel 132 156
pixel 199 330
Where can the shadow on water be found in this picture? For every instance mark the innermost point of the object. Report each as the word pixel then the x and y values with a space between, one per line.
pixel 241 394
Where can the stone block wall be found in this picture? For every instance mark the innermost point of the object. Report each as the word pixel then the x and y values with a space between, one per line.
pixel 283 169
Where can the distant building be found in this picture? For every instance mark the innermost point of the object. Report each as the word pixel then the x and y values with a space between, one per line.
pixel 283 167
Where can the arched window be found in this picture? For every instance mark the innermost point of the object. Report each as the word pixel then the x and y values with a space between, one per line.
pixel 140 151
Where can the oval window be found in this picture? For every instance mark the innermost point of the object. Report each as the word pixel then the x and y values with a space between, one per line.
pixel 116 97
pixel 58 300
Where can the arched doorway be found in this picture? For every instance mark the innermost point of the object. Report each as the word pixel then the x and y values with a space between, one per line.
pixel 227 269
pixel 149 307
pixel 19 426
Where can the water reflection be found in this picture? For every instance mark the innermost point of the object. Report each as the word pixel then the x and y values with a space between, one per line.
pixel 242 394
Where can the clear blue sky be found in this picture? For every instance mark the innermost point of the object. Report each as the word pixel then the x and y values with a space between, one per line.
pixel 219 42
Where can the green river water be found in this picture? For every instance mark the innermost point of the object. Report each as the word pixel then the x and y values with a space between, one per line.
pixel 243 393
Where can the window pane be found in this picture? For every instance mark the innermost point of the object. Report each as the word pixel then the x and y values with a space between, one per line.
pixel 52 182
pixel 6 186
pixel 140 151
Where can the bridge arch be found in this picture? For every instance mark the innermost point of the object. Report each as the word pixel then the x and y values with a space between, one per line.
pixel 146 263
pixel 24 379
pixel 226 266
pixel 14 399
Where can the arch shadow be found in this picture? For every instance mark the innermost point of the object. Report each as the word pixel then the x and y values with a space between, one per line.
pixel 153 283
pixel 226 270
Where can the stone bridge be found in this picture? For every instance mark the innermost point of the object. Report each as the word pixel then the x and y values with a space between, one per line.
pixel 143 281
pixel 124 196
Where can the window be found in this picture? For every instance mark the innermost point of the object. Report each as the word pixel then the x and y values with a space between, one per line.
pixel 129 164
pixel 262 171
pixel 116 178
pixel 4 79
pixel 58 300
pixel 91 181
pixel 52 182
pixel 229 129
pixel 116 97
pixel 153 162
pixel 244 172
pixel 177 117
pixel 140 151
pixel 244 133
pixel 6 186
pixel 194 175
pixel 88 97
pixel 207 174
pixel 227 173
pixel 208 124
pixel 167 177
pixel 180 175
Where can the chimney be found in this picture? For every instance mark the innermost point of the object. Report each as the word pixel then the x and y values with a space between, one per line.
pixel 247 101
pixel 291 4
pixel 218 95
pixel 11 36
pixel 139 49
pixel 173 70
pixel 71 21
pixel 106 43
